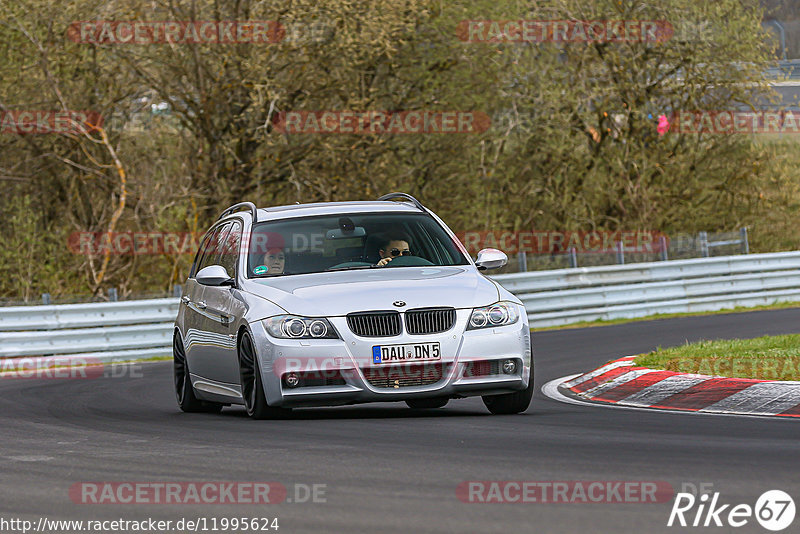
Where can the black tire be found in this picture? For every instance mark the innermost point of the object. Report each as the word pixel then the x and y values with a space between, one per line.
pixel 184 391
pixel 511 403
pixel 255 401
pixel 427 404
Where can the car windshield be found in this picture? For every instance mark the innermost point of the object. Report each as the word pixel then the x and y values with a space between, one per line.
pixel 353 241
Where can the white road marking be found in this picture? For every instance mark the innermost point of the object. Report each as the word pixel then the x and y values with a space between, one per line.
pixel 550 390
pixel 618 381
pixel 661 390
pixel 581 378
pixel 761 397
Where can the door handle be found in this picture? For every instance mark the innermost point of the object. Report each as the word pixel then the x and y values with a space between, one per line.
pixel 186 300
pixel 202 305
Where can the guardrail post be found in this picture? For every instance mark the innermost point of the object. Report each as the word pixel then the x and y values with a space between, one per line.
pixel 177 290
pixel 573 257
pixel 703 244
pixel 45 298
pixel 620 253
pixel 522 259
pixel 112 294
pixel 662 241
pixel 745 243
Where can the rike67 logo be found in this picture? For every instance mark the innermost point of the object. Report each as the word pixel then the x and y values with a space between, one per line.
pixel 774 510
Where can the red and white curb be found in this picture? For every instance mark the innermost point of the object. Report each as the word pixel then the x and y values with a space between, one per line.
pixel 621 383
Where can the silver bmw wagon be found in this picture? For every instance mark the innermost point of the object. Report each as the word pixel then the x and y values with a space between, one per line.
pixel 346 302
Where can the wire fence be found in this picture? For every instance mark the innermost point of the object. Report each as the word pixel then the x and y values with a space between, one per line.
pixel 679 247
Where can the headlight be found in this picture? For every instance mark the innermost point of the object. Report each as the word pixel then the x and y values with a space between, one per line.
pixel 500 314
pixel 294 327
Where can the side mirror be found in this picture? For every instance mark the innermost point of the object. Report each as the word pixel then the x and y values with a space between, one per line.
pixel 490 258
pixel 214 275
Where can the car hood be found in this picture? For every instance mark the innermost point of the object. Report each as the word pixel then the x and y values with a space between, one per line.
pixel 339 293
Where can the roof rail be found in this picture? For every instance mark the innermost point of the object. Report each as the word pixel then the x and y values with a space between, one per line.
pixel 403 196
pixel 250 205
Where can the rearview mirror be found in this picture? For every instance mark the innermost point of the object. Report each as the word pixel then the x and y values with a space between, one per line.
pixel 338 233
pixel 214 275
pixel 490 258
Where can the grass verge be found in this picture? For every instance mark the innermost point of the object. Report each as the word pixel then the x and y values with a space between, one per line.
pixel 766 358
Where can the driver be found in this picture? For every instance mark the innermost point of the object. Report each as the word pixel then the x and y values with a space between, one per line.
pixel 392 245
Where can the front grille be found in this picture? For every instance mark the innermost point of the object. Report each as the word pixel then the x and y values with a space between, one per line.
pixel 481 368
pixel 403 376
pixel 430 320
pixel 374 324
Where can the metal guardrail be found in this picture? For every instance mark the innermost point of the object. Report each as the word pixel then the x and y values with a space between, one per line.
pixel 608 292
pixel 129 330
pixel 100 332
pixel 788 69
pixel 61 316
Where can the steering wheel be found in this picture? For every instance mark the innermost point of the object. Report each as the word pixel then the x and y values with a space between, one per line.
pixel 408 261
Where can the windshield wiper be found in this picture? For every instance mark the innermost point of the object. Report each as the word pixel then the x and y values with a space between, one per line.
pixel 271 275
pixel 353 267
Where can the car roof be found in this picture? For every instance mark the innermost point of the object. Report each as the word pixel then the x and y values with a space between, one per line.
pixel 334 208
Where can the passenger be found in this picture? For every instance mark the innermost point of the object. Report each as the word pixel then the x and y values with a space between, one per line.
pixel 275 260
pixel 269 253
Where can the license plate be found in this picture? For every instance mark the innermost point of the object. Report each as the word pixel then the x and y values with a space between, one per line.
pixel 412 352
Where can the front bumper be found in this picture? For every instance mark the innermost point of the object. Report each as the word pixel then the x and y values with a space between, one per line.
pixel 351 358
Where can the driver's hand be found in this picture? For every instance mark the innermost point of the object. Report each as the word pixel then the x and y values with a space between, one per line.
pixel 384 261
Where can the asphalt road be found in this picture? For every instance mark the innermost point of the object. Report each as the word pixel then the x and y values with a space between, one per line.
pixel 386 468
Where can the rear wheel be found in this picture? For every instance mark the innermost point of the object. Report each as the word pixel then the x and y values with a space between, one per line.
pixel 184 391
pixel 255 401
pixel 511 403
pixel 427 404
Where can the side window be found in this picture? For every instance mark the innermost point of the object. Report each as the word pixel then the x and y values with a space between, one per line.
pixel 211 248
pixel 204 244
pixel 217 245
pixel 229 255
pixel 424 245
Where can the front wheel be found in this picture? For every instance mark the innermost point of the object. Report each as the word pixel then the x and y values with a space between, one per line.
pixel 184 391
pixel 255 401
pixel 511 403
